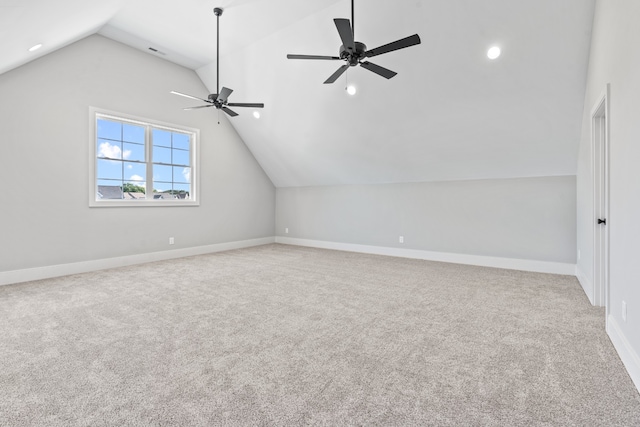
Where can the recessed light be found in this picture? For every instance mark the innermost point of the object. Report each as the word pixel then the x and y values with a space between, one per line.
pixel 35 47
pixel 494 52
pixel 256 114
pixel 351 90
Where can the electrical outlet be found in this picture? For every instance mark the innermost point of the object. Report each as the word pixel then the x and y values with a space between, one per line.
pixel 171 241
pixel 401 239
pixel 286 231
pixel 624 311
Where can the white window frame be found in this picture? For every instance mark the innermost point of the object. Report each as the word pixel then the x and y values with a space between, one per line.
pixel 95 114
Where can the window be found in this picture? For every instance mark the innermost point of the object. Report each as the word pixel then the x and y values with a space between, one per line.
pixel 141 162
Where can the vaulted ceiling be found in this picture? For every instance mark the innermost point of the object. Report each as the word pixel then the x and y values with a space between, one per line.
pixel 450 113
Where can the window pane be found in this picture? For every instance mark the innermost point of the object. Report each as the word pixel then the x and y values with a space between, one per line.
pixel 134 191
pixel 180 140
pixel 181 174
pixel 133 152
pixel 161 138
pixel 181 157
pixel 161 155
pixel 109 169
pixel 162 174
pixel 135 172
pixel 182 188
pixel 133 133
pixel 110 149
pixel 159 187
pixel 110 130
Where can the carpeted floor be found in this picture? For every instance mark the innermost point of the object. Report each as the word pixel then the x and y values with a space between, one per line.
pixel 283 335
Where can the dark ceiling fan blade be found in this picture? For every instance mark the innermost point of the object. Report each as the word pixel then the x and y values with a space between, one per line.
pixel 224 94
pixel 390 47
pixel 199 106
pixel 189 96
pixel 384 72
pixel 245 104
pixel 291 56
pixel 337 74
pixel 346 35
pixel 229 112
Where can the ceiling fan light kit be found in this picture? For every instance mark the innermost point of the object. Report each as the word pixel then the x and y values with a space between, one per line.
pixel 219 100
pixel 354 53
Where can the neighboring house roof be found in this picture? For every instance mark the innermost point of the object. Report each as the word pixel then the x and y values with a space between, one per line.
pixel 115 192
pixel 166 196
pixel 134 196
pixel 109 192
pixel 169 196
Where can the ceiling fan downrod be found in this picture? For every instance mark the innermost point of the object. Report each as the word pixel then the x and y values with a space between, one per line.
pixel 217 11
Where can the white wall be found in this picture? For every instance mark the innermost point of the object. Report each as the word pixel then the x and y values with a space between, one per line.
pixel 44 151
pixel 615 59
pixel 521 218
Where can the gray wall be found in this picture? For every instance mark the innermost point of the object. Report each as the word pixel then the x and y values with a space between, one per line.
pixel 44 155
pixel 615 59
pixel 523 218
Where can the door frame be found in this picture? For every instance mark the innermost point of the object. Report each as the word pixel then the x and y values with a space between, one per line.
pixel 600 119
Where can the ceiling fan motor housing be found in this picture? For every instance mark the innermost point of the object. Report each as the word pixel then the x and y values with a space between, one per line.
pixel 353 57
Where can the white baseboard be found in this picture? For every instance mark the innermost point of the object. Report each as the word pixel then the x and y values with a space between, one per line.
pixel 484 261
pixel 627 354
pixel 38 273
pixel 586 284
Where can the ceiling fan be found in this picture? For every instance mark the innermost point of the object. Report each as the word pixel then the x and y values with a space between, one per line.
pixel 355 53
pixel 219 99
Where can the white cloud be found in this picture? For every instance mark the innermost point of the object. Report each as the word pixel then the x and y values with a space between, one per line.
pixel 136 178
pixel 186 172
pixel 129 166
pixel 112 151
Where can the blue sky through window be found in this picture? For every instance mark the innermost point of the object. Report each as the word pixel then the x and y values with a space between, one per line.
pixel 118 142
pixel 171 149
pixel 122 156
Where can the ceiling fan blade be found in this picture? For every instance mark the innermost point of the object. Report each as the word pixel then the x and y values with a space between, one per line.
pixel 189 96
pixel 390 47
pixel 224 94
pixel 291 56
pixel 384 72
pixel 228 111
pixel 337 74
pixel 199 106
pixel 245 104
pixel 344 29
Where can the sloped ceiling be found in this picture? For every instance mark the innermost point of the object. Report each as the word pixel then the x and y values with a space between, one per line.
pixel 450 113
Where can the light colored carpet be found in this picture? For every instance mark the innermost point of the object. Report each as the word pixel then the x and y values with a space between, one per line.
pixel 283 335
